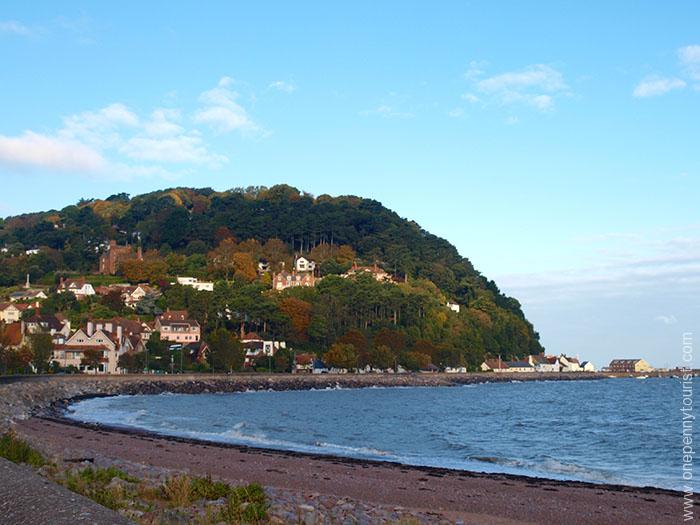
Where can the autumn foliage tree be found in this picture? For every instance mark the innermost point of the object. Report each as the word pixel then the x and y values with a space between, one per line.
pixel 341 355
pixel 299 313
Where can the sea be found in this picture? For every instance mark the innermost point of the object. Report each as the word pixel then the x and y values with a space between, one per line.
pixel 613 431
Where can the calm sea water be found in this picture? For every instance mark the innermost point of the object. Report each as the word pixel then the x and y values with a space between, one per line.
pixel 624 431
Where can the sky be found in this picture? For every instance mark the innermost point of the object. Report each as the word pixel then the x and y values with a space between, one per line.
pixel 556 144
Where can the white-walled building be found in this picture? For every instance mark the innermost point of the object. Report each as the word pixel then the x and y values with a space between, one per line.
pixel 202 286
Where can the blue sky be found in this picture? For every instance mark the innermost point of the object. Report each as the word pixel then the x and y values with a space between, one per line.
pixel 554 143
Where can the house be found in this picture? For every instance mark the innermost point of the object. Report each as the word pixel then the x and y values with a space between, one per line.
pixel 112 344
pixel 255 347
pixel 284 280
pixel 587 366
pixel 115 254
pixel 304 363
pixel 455 369
pixel 54 325
pixel 519 366
pixel 128 327
pixel 430 368
pixel 629 366
pixel 32 251
pixel 28 295
pixel 302 265
pixel 175 326
pixel 569 364
pixel 11 313
pixel 494 365
pixel 375 271
pixel 78 287
pixel 201 286
pixel 545 363
pixel 130 294
pixel 453 306
pixel 263 266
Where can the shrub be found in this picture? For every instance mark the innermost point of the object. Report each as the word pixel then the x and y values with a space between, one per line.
pixel 245 505
pixel 178 490
pixel 206 488
pixel 19 451
pixel 94 484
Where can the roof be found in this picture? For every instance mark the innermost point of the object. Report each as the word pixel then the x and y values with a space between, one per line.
pixel 519 364
pixel 49 321
pixel 305 359
pixel 624 361
pixel 495 364
pixel 174 315
pixel 251 336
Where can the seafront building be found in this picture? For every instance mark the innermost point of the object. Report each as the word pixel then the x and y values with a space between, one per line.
pixel 629 366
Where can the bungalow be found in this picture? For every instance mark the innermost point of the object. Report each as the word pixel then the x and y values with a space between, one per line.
pixel 175 326
pixel 494 365
pixel 11 313
pixel 78 287
pixel 28 295
pixel 193 282
pixel 304 363
pixel 520 366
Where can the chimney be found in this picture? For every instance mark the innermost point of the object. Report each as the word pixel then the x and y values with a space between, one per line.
pixel 90 328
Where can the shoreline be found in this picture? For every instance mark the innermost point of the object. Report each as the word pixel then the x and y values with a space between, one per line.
pixel 37 407
pixel 436 495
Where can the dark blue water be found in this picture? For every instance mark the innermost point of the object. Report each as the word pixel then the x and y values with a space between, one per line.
pixel 624 431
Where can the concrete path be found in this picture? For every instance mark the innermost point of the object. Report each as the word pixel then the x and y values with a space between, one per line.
pixel 26 497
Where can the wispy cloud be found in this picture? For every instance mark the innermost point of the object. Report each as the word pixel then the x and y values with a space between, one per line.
pixel 116 141
pixel 283 85
pixel 666 319
pixel 537 86
pixel 689 57
pixel 654 85
pixel 221 111
pixel 386 111
pixel 14 27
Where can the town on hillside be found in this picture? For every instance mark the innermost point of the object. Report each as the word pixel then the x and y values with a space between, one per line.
pixel 255 312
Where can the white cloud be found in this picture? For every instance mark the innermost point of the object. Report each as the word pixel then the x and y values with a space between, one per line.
pixel 178 149
pixel 689 57
pixel 15 28
pixel 536 86
pixel 221 111
pixel 162 123
pixel 455 113
pixel 654 85
pixel 666 319
pixel 386 111
pixel 281 85
pixel 33 150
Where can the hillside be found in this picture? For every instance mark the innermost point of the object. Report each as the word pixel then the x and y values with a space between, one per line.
pixel 196 232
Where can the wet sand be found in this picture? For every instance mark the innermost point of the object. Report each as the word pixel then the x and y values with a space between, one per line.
pixel 455 495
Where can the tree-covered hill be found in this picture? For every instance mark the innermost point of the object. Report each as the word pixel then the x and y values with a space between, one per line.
pixel 185 227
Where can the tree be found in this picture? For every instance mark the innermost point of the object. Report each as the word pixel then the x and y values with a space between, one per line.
pixel 381 357
pixel 299 313
pixel 132 361
pixel 42 349
pixel 225 351
pixel 415 360
pixel 156 350
pixel 341 355
pixel 92 358
pixel 393 339
pixel 113 300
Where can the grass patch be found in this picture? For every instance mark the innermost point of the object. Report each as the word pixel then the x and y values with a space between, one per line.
pixel 246 504
pixel 94 483
pixel 19 451
pixel 206 488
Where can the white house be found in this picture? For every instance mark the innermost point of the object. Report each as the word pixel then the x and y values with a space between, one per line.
pixel 453 306
pixel 202 286
pixel 455 370
pixel 11 313
pixel 587 366
pixel 111 345
pixel 255 346
pixel 545 363
pixel 302 264
pixel 78 287
pixel 569 364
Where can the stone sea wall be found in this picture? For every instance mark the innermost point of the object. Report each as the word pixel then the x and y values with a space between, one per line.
pixel 23 397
